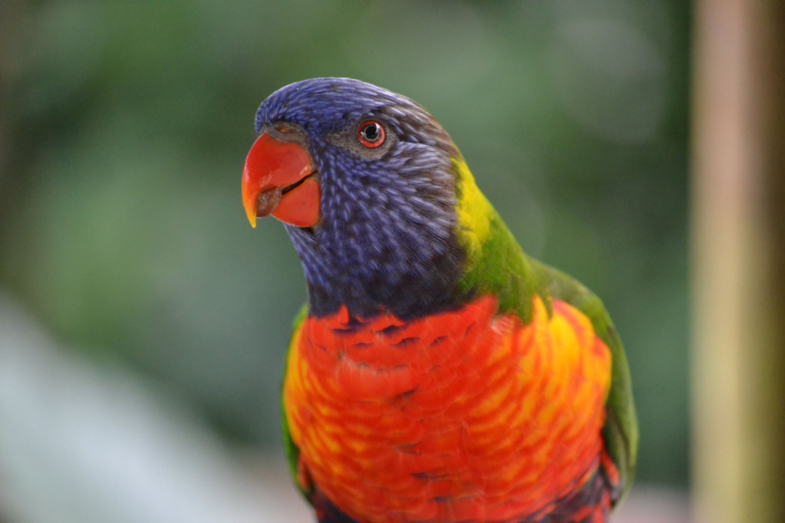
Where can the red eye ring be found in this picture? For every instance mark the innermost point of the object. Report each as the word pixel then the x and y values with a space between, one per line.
pixel 371 134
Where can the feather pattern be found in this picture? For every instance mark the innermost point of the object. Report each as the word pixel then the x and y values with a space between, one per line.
pixel 462 416
pixel 438 374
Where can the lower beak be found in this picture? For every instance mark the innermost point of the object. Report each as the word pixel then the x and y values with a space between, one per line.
pixel 279 179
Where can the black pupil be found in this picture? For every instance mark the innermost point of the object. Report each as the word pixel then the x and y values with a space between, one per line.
pixel 371 132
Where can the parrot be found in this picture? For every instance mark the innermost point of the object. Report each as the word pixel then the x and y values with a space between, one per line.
pixel 436 373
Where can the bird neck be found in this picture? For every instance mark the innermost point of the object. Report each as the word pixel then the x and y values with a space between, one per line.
pixel 365 267
pixel 495 263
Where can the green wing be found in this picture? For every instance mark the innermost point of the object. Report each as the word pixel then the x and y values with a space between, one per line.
pixel 621 426
pixel 292 451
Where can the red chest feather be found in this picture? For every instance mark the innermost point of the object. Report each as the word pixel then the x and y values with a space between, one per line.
pixel 460 416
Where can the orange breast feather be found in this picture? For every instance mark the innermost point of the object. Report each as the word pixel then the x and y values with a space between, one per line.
pixel 461 416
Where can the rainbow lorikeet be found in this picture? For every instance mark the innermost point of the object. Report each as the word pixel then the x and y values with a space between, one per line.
pixel 436 373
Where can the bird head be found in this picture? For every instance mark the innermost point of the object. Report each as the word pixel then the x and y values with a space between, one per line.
pixel 367 184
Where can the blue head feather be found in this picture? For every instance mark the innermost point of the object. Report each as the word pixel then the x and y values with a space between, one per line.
pixel 386 239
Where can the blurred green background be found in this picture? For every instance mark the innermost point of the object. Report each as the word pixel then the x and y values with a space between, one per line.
pixel 124 126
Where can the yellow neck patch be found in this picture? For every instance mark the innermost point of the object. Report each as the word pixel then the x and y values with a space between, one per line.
pixel 474 210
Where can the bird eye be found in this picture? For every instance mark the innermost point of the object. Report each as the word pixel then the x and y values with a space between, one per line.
pixel 371 134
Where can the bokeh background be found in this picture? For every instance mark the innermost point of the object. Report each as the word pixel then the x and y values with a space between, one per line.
pixel 143 323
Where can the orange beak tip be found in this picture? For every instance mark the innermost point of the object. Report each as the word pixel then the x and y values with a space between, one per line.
pixel 249 204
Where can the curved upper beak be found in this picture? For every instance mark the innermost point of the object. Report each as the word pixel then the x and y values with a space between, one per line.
pixel 279 179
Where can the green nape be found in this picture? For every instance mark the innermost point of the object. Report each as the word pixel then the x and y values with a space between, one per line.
pixel 496 264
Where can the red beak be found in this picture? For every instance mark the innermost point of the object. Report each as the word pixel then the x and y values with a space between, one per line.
pixel 279 179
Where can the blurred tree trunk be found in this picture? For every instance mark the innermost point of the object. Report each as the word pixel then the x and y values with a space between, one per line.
pixel 7 16
pixel 11 174
pixel 10 16
pixel 738 238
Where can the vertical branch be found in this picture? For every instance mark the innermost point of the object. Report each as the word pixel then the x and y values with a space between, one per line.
pixel 738 238
pixel 10 18
pixel 6 11
pixel 12 175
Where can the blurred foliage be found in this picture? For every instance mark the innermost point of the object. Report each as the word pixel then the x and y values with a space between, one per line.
pixel 125 124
